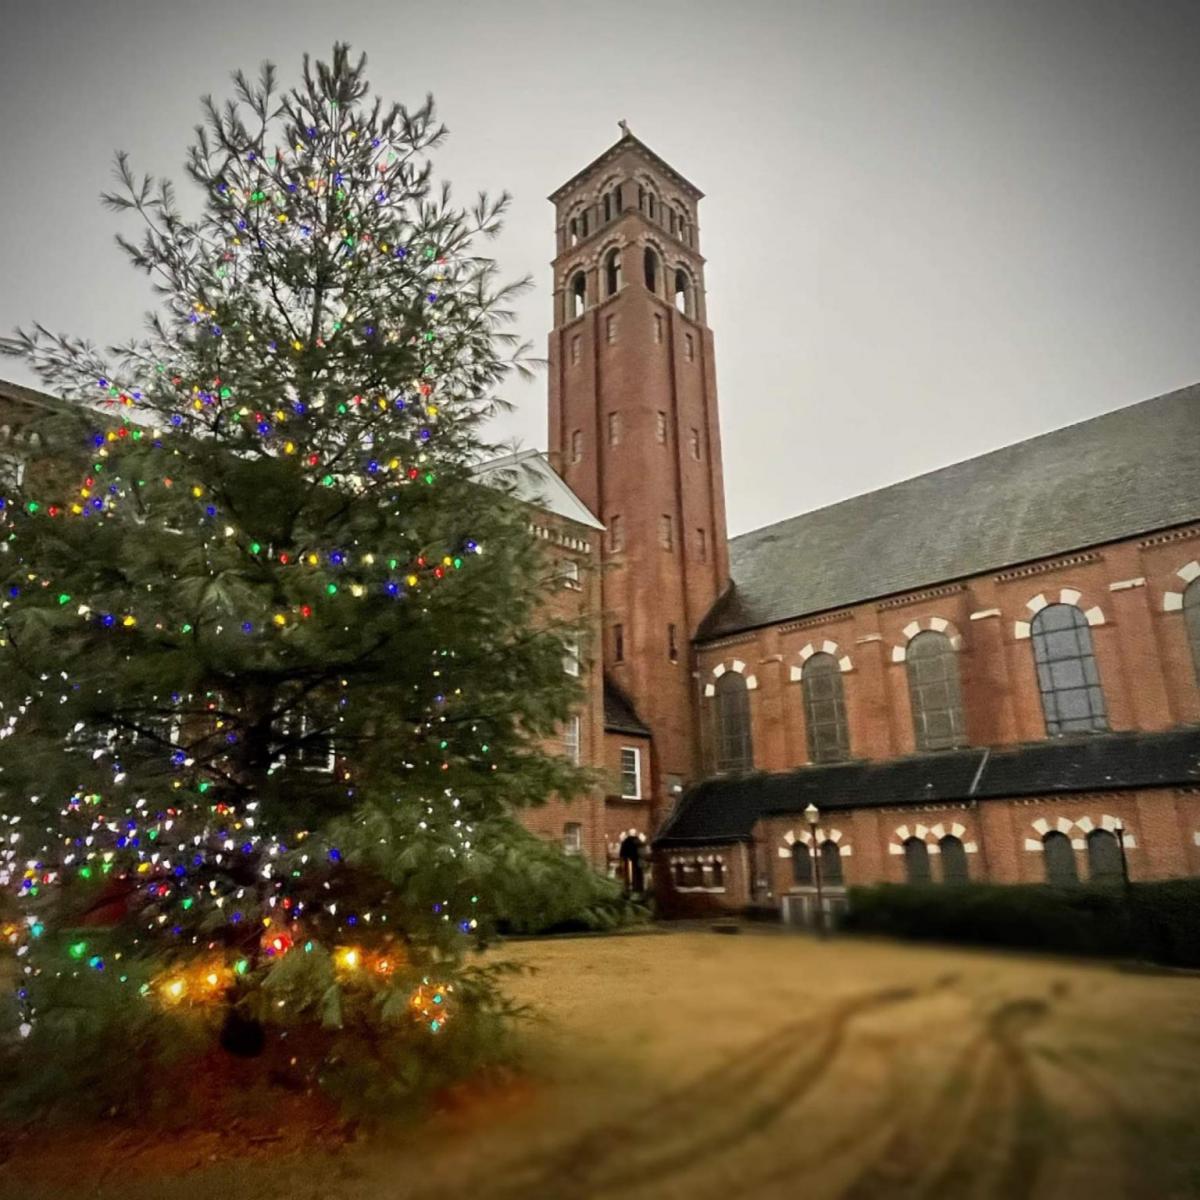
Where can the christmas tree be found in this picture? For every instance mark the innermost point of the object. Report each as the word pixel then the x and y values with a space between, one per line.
pixel 273 672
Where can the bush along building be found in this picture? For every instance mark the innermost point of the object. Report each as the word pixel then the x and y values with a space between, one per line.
pixel 990 672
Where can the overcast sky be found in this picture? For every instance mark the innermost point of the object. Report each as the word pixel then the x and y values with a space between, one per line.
pixel 932 228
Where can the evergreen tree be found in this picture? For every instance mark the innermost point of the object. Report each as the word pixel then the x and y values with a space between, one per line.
pixel 272 666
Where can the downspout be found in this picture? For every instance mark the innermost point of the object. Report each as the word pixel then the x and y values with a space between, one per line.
pixel 987 869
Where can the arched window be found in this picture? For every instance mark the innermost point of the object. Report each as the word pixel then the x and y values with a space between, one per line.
pixel 1072 699
pixel 1191 617
pixel 1104 857
pixel 680 226
pixel 612 272
pixel 802 865
pixel 916 861
pixel 718 873
pixel 578 292
pixel 831 864
pixel 685 299
pixel 651 270
pixel 933 687
pixel 1060 859
pixel 731 706
pixel 954 859
pixel 825 710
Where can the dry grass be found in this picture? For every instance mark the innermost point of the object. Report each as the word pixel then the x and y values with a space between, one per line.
pixel 693 1065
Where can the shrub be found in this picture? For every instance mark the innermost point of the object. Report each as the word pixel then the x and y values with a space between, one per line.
pixel 1156 921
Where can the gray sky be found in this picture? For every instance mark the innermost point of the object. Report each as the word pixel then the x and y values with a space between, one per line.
pixel 931 228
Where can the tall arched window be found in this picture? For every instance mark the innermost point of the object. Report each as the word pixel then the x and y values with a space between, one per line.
pixel 731 709
pixel 685 299
pixel 825 710
pixel 1060 859
pixel 802 866
pixel 954 859
pixel 831 864
pixel 1072 699
pixel 651 270
pixel 578 294
pixel 933 687
pixel 612 272
pixel 1104 857
pixel 916 861
pixel 1191 617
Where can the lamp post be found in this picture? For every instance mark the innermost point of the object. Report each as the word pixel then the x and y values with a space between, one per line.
pixel 1119 830
pixel 812 815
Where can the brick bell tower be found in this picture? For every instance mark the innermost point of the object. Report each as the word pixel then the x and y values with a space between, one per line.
pixel 633 431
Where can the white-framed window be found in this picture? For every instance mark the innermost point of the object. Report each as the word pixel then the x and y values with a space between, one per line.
pixel 571 746
pixel 568 572
pixel 631 773
pixel 315 755
pixel 573 837
pixel 571 657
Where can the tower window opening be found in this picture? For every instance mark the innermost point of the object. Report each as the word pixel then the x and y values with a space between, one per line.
pixel 577 446
pixel 660 426
pixel 578 294
pixel 666 534
pixel 650 269
pixel 684 298
pixel 672 644
pixel 658 328
pixel 614 429
pixel 694 443
pixel 702 545
pixel 689 347
pixel 575 349
pixel 616 534
pixel 612 272
pixel 618 643
pixel 610 329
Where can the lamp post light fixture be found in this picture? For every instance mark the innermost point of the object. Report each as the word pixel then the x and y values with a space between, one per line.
pixel 812 814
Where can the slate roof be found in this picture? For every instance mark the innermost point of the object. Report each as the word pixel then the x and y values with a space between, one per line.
pixel 1115 476
pixel 725 809
pixel 536 482
pixel 619 714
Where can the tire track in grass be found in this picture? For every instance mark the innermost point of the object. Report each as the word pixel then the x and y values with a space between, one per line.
pixel 685 1129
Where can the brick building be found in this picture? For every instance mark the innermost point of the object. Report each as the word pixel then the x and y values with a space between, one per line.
pixel 991 671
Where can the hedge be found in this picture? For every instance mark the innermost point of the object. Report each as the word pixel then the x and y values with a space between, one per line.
pixel 1157 922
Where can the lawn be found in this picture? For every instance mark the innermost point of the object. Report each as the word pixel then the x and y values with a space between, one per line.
pixel 689 1064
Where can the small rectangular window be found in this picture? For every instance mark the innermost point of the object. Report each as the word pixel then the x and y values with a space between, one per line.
pixel 571 657
pixel 614 429
pixel 660 426
pixel 672 644
pixel 616 534
pixel 658 328
pixel 568 572
pixel 618 643
pixel 689 347
pixel 631 773
pixel 610 329
pixel 666 534
pixel 573 838
pixel 577 445
pixel 575 349
pixel 702 545
pixel 571 739
pixel 694 443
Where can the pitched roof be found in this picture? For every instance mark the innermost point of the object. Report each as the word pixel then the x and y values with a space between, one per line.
pixel 627 141
pixel 1115 476
pixel 725 809
pixel 619 713
pixel 536 482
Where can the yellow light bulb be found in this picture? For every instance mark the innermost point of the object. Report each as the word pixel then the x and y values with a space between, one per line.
pixel 280 619
pixel 289 448
pixel 212 979
pixel 175 988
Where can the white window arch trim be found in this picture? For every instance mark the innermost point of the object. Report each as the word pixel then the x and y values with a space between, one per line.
pixel 926 625
pixel 1188 573
pixel 1077 830
pixel 806 838
pixel 1072 596
pixel 733 664
pixel 931 835
pixel 828 646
